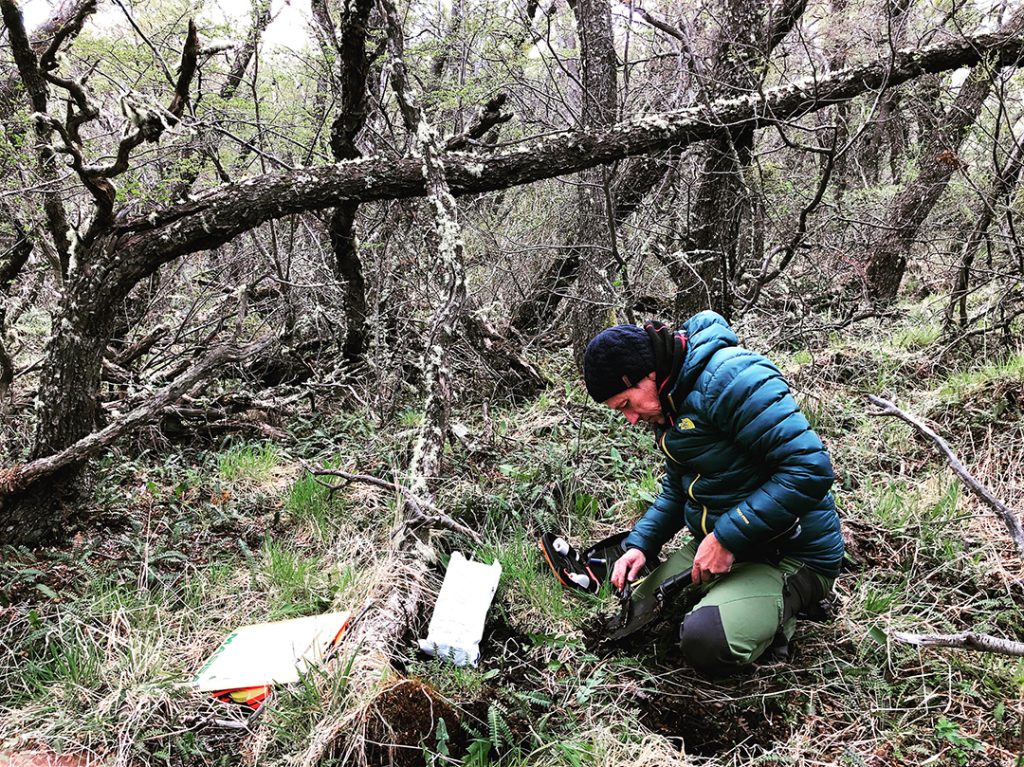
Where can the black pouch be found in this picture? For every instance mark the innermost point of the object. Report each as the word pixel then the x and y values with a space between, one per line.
pixel 569 567
pixel 596 562
pixel 603 555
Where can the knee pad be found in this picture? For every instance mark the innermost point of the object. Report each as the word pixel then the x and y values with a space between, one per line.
pixel 704 644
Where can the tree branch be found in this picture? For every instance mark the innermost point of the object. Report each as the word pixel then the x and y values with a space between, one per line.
pixel 78 13
pixel 782 19
pixel 664 26
pixel 420 506
pixel 488 116
pixel 138 30
pixel 231 209
pixel 1008 516
pixel 191 168
pixel 32 78
pixel 19 477
pixel 147 123
pixel 966 639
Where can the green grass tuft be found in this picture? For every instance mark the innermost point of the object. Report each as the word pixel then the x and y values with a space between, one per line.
pixel 963 385
pixel 298 584
pixel 247 462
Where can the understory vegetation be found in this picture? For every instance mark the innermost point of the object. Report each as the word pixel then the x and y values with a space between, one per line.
pixel 247 244
pixel 185 544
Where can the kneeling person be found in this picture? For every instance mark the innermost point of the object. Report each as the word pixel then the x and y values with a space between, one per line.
pixel 744 472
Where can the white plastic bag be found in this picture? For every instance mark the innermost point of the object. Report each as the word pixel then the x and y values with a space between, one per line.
pixel 457 625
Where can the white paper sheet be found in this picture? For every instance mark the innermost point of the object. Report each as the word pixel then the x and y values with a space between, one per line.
pixel 457 625
pixel 269 653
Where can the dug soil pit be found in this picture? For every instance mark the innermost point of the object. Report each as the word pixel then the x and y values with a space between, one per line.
pixel 705 729
pixel 402 723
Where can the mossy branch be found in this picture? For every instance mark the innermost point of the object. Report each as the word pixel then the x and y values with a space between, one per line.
pixel 449 262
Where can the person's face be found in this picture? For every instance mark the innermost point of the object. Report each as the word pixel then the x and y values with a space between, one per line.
pixel 639 403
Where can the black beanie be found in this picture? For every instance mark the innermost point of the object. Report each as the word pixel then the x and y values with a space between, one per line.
pixel 617 359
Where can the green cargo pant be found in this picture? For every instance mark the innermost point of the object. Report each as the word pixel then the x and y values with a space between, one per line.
pixel 741 613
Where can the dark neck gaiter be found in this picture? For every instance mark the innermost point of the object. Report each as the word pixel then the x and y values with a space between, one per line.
pixel 669 351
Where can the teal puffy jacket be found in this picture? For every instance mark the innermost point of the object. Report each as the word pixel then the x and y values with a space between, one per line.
pixel 742 461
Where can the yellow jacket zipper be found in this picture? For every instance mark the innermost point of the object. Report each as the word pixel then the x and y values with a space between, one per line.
pixel 704 514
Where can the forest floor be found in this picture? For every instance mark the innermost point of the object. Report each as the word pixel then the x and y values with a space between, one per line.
pixel 185 543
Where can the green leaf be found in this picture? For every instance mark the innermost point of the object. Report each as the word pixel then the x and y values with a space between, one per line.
pixel 46 590
pixel 878 635
pixel 493 727
pixel 442 737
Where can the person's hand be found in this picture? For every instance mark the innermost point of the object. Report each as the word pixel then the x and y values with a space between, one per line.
pixel 627 567
pixel 712 559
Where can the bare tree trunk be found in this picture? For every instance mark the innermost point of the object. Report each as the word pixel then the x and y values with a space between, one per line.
pixel 353 67
pixel 938 161
pixel 593 245
pixel 841 115
pixel 712 245
pixel 907 212
pixel 68 411
pixel 10 266
pixel 880 132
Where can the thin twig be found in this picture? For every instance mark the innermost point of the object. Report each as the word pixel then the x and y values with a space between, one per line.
pixel 147 41
pixel 420 506
pixel 1008 516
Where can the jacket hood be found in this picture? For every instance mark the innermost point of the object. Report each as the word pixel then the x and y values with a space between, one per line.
pixel 706 334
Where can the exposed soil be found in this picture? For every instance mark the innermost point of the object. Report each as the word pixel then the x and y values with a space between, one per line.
pixel 706 729
pixel 506 649
pixel 867 547
pixel 403 722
